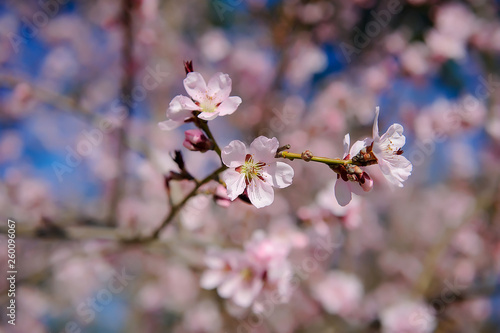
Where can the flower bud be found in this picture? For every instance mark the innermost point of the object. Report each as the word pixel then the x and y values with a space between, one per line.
pixel 188 66
pixel 196 140
pixel 366 182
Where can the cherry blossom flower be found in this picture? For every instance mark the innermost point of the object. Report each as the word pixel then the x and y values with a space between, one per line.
pixel 387 149
pixel 408 317
pixel 345 184
pixel 255 170
pixel 339 293
pixel 244 277
pixel 233 276
pixel 211 100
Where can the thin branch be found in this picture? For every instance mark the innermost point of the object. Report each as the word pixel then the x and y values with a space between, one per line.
pixel 50 97
pixel 204 126
pixel 126 90
pixel 325 160
pixel 175 209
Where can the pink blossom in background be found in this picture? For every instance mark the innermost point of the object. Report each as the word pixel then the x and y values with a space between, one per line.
pixel 408 317
pixel 339 293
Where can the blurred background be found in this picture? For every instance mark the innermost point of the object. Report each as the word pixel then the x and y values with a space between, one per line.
pixel 83 85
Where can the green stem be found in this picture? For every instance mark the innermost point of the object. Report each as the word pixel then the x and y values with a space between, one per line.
pixel 175 209
pixel 325 160
pixel 204 126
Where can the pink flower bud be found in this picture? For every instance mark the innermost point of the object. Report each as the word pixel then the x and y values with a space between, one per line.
pixel 366 182
pixel 196 140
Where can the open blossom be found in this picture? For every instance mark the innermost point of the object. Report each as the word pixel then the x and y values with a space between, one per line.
pixel 408 317
pixel 355 181
pixel 211 100
pixel 387 149
pixel 255 170
pixel 231 273
pixel 339 292
pixel 245 277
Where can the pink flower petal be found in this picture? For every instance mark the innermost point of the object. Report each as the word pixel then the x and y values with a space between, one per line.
pixel 235 183
pixel 263 149
pixel 261 194
pixel 342 192
pixel 229 106
pixel 195 86
pixel 219 87
pixel 233 155
pixel 279 174
pixel 180 108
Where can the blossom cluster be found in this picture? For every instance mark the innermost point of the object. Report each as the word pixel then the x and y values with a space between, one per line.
pixel 85 83
pixel 249 277
pixel 253 172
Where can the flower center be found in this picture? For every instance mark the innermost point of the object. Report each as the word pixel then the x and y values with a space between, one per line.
pixel 208 105
pixel 251 169
pixel 247 274
pixel 389 148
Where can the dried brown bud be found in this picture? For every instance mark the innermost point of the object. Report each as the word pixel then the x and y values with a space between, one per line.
pixel 188 66
pixel 307 155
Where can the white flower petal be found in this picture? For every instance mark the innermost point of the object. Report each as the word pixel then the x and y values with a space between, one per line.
pixel 342 192
pixel 355 188
pixel 358 145
pixel 235 183
pixel 195 86
pixel 347 143
pixel 208 115
pixel 230 285
pixel 169 125
pixel 229 106
pixel 264 149
pixel 375 123
pixel 211 279
pixel 247 294
pixel 394 136
pixel 180 108
pixel 233 155
pixel 260 193
pixel 396 170
pixel 279 174
pixel 219 87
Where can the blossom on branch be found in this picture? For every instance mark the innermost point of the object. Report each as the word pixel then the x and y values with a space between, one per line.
pixel 387 149
pixel 255 170
pixel 348 175
pixel 196 140
pixel 209 100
